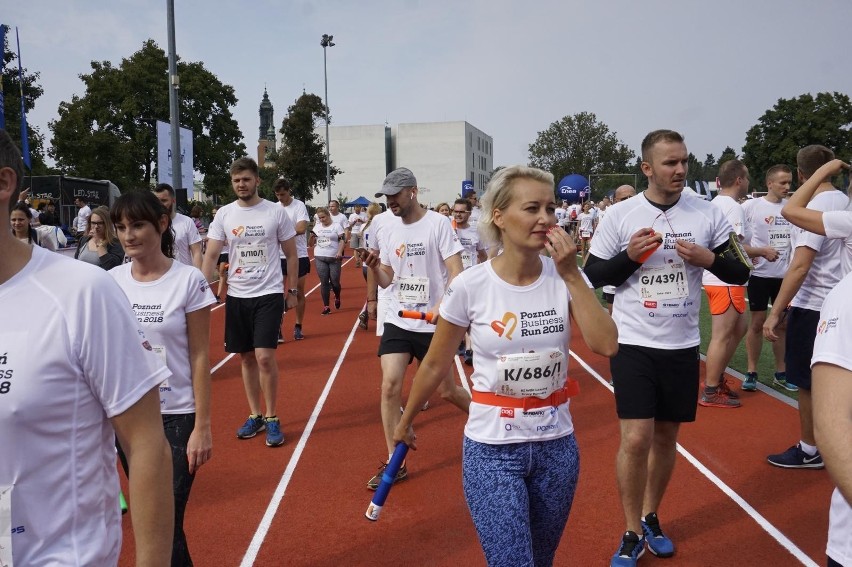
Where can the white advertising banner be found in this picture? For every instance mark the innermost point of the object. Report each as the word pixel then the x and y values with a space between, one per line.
pixel 164 156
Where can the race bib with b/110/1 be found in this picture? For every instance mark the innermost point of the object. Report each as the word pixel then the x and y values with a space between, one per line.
pixel 251 255
pixel 531 374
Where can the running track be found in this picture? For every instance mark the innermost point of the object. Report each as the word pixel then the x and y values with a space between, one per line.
pixel 303 504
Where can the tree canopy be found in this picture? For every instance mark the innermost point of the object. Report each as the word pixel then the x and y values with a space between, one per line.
pixel 580 144
pixel 794 123
pixel 12 105
pixel 109 133
pixel 301 157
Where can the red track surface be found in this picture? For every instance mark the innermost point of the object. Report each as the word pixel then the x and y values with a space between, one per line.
pixel 319 518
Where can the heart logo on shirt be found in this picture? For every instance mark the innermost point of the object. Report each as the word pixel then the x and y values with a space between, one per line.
pixel 770 219
pixel 238 231
pixel 507 326
pixel 400 251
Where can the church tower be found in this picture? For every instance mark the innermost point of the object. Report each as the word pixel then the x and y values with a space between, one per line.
pixel 266 139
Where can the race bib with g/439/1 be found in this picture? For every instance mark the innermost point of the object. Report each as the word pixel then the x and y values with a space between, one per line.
pixel 250 255
pixel 531 374
pixel 413 290
pixel 665 281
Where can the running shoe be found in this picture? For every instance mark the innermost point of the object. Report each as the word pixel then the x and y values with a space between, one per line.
pixel 336 302
pixel 780 380
pixel 658 543
pixel 274 437
pixel 297 333
pixel 795 458
pixel 374 482
pixel 468 357
pixel 631 549
pixel 280 337
pixel 362 320
pixel 326 310
pixel 717 399
pixel 724 388
pixel 750 382
pixel 253 425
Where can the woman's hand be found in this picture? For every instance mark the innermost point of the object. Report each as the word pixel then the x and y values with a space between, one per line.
pixel 403 434
pixel 199 449
pixel 563 251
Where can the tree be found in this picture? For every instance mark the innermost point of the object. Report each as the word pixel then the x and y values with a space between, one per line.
pixel 12 106
pixel 580 144
pixel 301 157
pixel 108 133
pixel 794 123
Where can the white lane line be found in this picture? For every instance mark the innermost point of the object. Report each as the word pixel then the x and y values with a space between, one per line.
pixel 767 526
pixel 275 502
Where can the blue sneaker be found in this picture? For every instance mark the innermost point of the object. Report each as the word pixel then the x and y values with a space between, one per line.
pixel 253 425
pixel 780 379
pixel 297 333
pixel 274 437
pixel 631 549
pixel 658 543
pixel 750 382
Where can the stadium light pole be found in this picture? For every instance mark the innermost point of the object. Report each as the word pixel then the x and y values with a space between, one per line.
pixel 174 100
pixel 326 42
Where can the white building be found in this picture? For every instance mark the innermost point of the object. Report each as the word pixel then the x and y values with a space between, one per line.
pixel 441 154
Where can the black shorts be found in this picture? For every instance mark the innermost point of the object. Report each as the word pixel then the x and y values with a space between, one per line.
pixel 761 291
pixel 799 346
pixel 395 340
pixel 253 322
pixel 304 267
pixel 223 259
pixel 652 383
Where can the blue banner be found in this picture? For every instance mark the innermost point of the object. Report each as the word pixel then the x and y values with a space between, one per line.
pixel 25 142
pixel 2 66
pixel 574 188
pixel 467 187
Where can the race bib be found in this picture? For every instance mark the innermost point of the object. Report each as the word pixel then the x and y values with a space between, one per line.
pixel 666 281
pixel 251 255
pixel 585 234
pixel 160 351
pixel 779 239
pixel 531 374
pixel 323 241
pixel 413 290
pixel 467 259
pixel 6 527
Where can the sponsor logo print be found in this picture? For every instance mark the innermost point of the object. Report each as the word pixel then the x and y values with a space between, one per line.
pixel 650 304
pixel 400 251
pixel 506 326
pixel 507 412
pixel 238 231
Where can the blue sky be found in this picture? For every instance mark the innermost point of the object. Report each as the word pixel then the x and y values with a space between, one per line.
pixel 709 69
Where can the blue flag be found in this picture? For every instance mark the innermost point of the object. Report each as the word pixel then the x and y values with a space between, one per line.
pixel 25 142
pixel 2 66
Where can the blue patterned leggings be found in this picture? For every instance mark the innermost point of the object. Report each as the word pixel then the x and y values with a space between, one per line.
pixel 519 496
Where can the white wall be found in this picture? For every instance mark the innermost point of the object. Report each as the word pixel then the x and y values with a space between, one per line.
pixel 360 152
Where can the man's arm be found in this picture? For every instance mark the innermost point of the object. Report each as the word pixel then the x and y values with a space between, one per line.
pixel 803 258
pixel 208 265
pixel 140 433
pixel 796 210
pixel 195 250
pixel 301 227
pixel 832 400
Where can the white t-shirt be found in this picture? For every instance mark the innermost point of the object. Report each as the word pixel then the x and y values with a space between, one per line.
pixel 357 222
pixel 253 236
pixel 186 234
pixel 826 270
pixel 586 224
pixel 831 346
pixel 328 239
pixel 379 225
pixel 416 252
pixel 161 307
pixel 561 216
pixel 768 228
pixel 658 305
pixel 471 244
pixel 83 218
pixel 340 219
pixel 838 224
pixel 733 211
pixel 475 213
pixel 297 211
pixel 507 320
pixel 79 361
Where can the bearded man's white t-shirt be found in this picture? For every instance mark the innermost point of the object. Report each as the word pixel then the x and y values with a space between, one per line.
pixel 186 234
pixel 297 211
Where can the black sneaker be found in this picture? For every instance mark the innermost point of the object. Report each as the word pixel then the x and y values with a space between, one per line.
pixel 297 333
pixel 362 320
pixel 374 482
pixel 796 458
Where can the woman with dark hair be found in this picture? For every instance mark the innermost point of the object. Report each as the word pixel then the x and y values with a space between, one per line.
pixel 99 246
pixel 21 228
pixel 172 304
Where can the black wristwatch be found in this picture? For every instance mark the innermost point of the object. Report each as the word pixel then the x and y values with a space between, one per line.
pixel 293 291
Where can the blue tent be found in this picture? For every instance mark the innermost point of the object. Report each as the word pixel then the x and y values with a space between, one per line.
pixel 362 201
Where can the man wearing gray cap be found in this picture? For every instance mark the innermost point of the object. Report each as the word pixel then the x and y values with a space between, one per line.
pixel 419 255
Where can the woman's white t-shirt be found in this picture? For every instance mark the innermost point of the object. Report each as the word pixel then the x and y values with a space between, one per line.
pixel 507 321
pixel 328 240
pixel 161 307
